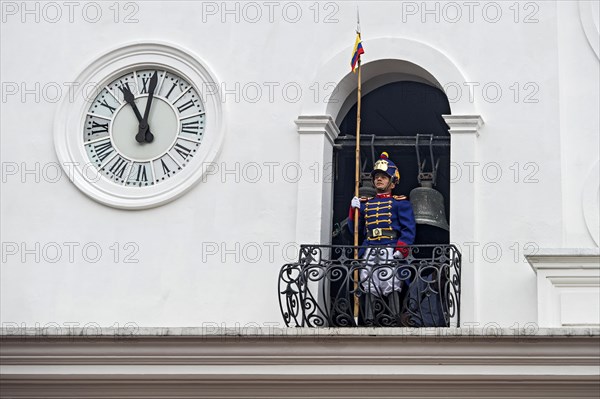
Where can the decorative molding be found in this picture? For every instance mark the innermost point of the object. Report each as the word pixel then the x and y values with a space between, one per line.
pixel 303 363
pixel 318 124
pixel 464 123
pixel 588 16
pixel 564 258
pixel 277 386
pixel 568 285
pixel 385 55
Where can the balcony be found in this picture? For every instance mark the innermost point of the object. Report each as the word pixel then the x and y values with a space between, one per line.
pixel 327 286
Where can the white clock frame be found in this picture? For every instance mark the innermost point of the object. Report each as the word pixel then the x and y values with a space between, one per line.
pixel 71 114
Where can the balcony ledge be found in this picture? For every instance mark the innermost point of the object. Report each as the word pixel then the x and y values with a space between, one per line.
pixel 302 363
pixel 489 330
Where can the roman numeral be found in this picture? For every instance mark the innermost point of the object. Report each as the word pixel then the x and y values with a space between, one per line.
pixel 183 151
pixel 141 173
pixel 103 150
pixel 185 106
pixel 145 85
pixel 105 104
pixel 118 167
pixel 192 127
pixel 172 87
pixel 99 127
pixel 166 169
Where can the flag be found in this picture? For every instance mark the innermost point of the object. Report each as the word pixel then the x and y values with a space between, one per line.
pixel 358 50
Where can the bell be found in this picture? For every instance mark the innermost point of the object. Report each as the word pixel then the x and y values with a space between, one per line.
pixel 428 206
pixel 366 188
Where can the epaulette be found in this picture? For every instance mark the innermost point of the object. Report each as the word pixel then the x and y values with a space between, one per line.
pixel 365 199
pixel 399 197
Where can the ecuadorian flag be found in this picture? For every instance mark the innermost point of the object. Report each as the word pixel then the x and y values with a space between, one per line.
pixel 358 50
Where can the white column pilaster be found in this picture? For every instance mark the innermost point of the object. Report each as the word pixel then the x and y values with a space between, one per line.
pixel 315 188
pixel 464 130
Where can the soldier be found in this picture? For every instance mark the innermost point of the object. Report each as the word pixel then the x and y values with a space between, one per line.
pixel 385 220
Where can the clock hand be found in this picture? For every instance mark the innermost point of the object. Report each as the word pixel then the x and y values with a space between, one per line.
pixel 130 99
pixel 144 122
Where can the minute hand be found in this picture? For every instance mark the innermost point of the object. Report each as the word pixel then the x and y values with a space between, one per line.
pixel 144 129
pixel 130 99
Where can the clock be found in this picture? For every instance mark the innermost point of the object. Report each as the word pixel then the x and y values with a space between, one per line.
pixel 138 150
pixel 142 126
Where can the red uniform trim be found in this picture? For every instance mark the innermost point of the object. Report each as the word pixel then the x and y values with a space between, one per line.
pixel 403 251
pixel 351 213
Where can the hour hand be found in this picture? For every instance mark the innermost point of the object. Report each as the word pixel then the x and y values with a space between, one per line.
pixel 130 99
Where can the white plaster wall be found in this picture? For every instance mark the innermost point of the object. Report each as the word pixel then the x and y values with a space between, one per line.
pixel 579 67
pixel 518 168
pixel 171 285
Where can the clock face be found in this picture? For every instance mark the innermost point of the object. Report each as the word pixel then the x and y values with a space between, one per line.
pixel 144 127
pixel 146 133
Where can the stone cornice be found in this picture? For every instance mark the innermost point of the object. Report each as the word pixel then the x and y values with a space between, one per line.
pixel 564 258
pixel 318 124
pixel 393 346
pixel 469 124
pixel 255 332
pixel 302 363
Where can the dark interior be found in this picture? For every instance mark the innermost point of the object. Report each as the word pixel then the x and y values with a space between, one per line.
pixel 391 117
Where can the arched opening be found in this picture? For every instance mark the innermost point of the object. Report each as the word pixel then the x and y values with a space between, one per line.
pixel 321 142
pixel 392 115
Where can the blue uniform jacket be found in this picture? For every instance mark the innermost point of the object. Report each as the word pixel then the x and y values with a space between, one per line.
pixel 385 212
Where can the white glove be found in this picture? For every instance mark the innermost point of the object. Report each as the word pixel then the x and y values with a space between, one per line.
pixel 398 255
pixel 355 203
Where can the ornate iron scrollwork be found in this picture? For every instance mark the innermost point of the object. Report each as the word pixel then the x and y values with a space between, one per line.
pixel 420 290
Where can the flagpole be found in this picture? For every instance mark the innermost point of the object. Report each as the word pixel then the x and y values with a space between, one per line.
pixel 356 185
pixel 357 164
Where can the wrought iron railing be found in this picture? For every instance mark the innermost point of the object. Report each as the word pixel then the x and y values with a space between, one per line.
pixel 328 287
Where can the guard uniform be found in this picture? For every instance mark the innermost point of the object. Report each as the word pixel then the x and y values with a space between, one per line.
pixel 385 219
